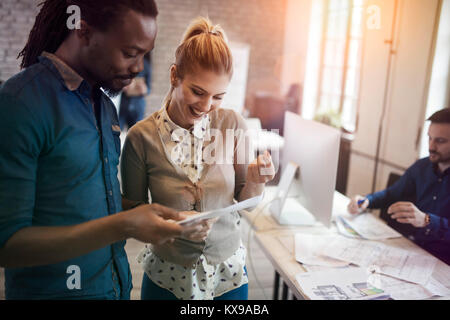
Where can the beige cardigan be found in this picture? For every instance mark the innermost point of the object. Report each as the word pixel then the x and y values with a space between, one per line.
pixel 146 168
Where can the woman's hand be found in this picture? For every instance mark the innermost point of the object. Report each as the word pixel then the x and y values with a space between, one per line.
pixel 261 170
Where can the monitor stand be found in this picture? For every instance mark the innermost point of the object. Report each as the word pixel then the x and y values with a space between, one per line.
pixel 286 209
pixel 293 213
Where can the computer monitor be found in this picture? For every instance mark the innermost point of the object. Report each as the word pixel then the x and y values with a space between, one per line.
pixel 314 147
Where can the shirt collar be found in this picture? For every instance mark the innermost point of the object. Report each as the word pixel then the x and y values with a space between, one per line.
pixel 438 172
pixel 199 129
pixel 70 77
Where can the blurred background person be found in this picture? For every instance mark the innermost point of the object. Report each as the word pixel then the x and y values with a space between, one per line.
pixel 132 102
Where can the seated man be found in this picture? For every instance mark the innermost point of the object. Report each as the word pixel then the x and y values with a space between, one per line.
pixel 427 184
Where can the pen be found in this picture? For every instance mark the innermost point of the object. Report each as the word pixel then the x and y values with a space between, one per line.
pixel 360 202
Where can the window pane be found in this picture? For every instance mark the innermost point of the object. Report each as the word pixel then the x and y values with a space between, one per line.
pixel 354 53
pixel 326 79
pixel 337 81
pixel 335 99
pixel 324 102
pixel 349 113
pixel 330 49
pixel 338 38
pixel 332 26
pixel 357 17
pixel 335 4
pixel 343 24
pixel 339 55
pixel 350 83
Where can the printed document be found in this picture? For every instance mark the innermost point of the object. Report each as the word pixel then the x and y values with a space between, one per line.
pixel 249 203
pixel 341 284
pixel 382 258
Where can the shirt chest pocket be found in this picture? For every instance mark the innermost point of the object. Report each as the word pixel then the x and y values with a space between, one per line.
pixel 116 137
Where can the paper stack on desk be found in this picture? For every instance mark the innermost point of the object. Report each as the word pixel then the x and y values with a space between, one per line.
pixel 401 273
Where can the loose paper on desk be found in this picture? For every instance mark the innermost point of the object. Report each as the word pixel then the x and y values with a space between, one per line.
pixel 308 248
pixel 345 284
pixel 311 268
pixel 340 203
pixel 370 227
pixel 442 273
pixel 404 290
pixel 252 202
pixel 382 258
pixel 345 230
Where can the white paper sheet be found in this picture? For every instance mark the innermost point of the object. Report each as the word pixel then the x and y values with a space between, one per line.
pixel 442 273
pixel 339 284
pixel 249 203
pixel 308 248
pixel 437 288
pixel 381 258
pixel 370 227
pixel 403 290
pixel 311 268
pixel 340 203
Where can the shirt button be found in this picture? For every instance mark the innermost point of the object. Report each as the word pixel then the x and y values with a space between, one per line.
pixel 439 180
pixel 110 192
pixel 434 198
pixel 106 160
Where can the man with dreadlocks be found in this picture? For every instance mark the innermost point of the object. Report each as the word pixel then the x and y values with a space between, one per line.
pixel 62 228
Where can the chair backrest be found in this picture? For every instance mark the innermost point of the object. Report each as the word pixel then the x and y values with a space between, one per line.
pixel 405 229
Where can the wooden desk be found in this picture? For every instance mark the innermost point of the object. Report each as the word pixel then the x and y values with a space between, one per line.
pixel 277 242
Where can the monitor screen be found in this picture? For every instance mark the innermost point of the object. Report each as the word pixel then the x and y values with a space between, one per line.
pixel 314 147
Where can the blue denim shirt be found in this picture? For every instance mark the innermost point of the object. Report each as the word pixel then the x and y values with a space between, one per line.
pixel 429 190
pixel 58 168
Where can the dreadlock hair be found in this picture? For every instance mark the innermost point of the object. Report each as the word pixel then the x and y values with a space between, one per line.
pixel 50 27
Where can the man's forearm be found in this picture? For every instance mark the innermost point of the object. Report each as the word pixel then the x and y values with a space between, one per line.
pixel 34 246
